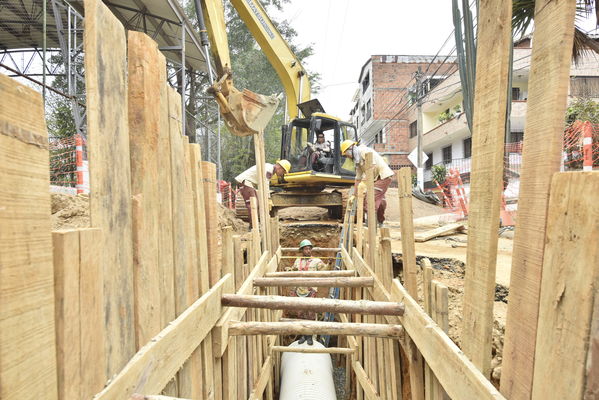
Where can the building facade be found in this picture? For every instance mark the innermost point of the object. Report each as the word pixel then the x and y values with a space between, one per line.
pixel 446 139
pixel 383 106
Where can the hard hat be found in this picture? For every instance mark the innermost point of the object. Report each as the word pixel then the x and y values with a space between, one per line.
pixel 346 144
pixel 285 164
pixel 305 243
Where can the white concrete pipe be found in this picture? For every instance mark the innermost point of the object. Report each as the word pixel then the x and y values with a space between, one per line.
pixel 307 376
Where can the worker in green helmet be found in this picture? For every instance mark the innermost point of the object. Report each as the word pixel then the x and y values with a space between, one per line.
pixel 306 263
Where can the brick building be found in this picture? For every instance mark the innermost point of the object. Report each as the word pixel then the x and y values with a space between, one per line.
pixel 382 110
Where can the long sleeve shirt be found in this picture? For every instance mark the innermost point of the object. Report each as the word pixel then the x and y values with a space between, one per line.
pixel 249 177
pixel 381 169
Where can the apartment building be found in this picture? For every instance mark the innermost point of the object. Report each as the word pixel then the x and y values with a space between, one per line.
pixel 446 138
pixel 382 108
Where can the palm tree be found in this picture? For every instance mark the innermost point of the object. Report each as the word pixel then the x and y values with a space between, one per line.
pixel 523 12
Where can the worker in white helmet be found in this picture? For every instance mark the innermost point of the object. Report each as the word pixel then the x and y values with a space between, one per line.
pixel 382 173
pixel 248 180
pixel 306 263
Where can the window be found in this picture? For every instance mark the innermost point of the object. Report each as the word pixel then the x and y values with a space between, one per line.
pixel 380 138
pixel 447 154
pixel 414 129
pixel 431 82
pixel 584 86
pixel 429 162
pixel 516 137
pixel 468 147
pixel 516 93
pixel 368 110
pixel 365 82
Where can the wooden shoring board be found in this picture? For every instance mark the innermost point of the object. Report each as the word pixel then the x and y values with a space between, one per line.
pixel 91 293
pixel 454 370
pixel 156 363
pixel 212 230
pixel 404 190
pixel 541 155
pixel 220 332
pixel 79 313
pixel 110 173
pixel 492 64
pixel 263 195
pixel 370 206
pixel 195 158
pixel 165 209
pixel 369 389
pixel 568 334
pixel 27 339
pixel 144 82
pixel 360 219
pixel 184 260
pixel 65 245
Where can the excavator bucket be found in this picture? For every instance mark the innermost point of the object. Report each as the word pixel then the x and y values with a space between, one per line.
pixel 248 112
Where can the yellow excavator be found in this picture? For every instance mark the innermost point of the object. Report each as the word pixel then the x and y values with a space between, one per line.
pixel 314 178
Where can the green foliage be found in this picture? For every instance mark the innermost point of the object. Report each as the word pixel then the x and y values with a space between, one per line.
pixel 445 116
pixel 252 71
pixel 59 116
pixel 583 109
pixel 439 173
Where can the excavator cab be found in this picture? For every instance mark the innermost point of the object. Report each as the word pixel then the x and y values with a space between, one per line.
pixel 312 145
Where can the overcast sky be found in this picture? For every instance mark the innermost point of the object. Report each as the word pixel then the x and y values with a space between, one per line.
pixel 345 33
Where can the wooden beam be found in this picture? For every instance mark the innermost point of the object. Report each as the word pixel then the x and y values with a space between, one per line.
pixel 157 362
pixel 568 333
pixel 137 396
pixel 317 350
pixel 492 65
pixel 263 379
pixel 108 149
pixel 360 219
pixel 541 156
pixel 440 231
pixel 408 252
pixel 315 282
pixel 314 304
pixel 311 274
pixel 365 382
pixel 212 229
pixel 27 337
pixel 315 328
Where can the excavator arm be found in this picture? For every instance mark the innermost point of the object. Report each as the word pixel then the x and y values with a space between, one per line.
pixel 246 112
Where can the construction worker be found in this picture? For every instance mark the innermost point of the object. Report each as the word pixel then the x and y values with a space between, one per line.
pixel 248 180
pixel 382 173
pixel 306 263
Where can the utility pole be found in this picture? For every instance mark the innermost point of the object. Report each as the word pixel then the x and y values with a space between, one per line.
pixel 420 166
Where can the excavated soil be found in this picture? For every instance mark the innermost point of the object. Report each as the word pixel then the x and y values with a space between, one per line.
pixel 70 211
pixel 226 217
pixel 450 272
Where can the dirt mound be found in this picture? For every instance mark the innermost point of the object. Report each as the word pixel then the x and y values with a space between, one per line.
pixel 450 272
pixel 70 211
pixel 226 217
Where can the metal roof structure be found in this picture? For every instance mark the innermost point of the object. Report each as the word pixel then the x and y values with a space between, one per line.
pixel 22 26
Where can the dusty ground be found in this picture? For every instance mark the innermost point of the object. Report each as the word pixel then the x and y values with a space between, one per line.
pixel 70 211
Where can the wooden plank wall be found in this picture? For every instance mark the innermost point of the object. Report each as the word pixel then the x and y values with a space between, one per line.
pixel 492 64
pixel 27 342
pixel 79 312
pixel 541 155
pixel 110 173
pixel 568 331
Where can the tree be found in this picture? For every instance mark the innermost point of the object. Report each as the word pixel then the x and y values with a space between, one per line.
pixel 583 109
